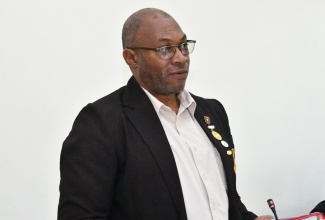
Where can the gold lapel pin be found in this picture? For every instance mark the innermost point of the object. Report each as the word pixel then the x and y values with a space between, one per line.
pixel 207 119
pixel 233 155
pixel 215 134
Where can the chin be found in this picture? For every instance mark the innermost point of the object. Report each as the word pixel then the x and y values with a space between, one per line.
pixel 176 90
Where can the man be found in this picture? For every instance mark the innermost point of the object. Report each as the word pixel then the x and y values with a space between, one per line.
pixel 151 150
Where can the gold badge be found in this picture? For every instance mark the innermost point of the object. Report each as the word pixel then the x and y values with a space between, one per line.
pixel 233 155
pixel 216 135
pixel 207 119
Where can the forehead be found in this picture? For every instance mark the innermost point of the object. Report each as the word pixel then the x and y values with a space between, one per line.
pixel 156 29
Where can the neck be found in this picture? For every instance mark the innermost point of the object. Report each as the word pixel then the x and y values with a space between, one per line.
pixel 171 101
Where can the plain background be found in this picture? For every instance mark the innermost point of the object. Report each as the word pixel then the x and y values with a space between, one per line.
pixel 263 59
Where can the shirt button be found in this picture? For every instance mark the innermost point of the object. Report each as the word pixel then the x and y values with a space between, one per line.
pixel 213 206
pixel 205 176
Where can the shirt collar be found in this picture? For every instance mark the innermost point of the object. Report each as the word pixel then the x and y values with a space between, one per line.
pixel 185 98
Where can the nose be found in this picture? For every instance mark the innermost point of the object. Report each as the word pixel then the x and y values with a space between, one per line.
pixel 179 57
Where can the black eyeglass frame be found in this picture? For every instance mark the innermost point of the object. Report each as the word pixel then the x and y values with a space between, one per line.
pixel 158 49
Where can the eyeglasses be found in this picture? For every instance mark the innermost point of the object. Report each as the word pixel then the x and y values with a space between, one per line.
pixel 167 52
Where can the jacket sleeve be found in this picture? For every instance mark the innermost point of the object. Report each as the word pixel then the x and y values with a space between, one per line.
pixel 88 167
pixel 319 208
pixel 247 215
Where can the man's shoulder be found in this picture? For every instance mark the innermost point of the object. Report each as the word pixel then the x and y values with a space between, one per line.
pixel 110 99
pixel 107 106
pixel 213 108
pixel 207 102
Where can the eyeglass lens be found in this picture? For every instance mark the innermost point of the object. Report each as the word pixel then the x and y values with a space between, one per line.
pixel 169 51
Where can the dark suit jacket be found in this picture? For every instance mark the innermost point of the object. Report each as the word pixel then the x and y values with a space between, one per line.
pixel 319 208
pixel 117 163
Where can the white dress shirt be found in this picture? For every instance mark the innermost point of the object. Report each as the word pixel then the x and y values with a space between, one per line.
pixel 198 162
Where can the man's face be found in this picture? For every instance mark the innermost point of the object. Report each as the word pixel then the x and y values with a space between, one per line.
pixel 159 76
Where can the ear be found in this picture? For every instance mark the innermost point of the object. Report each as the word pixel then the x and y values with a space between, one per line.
pixel 131 58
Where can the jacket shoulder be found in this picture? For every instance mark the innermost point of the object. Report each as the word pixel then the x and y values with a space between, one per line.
pixel 109 102
pixel 210 104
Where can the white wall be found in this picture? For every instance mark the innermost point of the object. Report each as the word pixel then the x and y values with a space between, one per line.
pixel 264 60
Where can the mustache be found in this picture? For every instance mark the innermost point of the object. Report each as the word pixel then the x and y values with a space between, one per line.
pixel 179 67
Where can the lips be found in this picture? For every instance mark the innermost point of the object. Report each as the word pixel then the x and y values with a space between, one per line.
pixel 179 74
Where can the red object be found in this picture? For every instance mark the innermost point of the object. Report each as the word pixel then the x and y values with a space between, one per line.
pixel 316 215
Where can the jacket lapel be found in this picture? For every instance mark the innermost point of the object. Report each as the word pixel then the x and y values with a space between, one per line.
pixel 226 157
pixel 221 126
pixel 144 118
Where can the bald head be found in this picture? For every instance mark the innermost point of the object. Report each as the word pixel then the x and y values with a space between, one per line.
pixel 134 22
